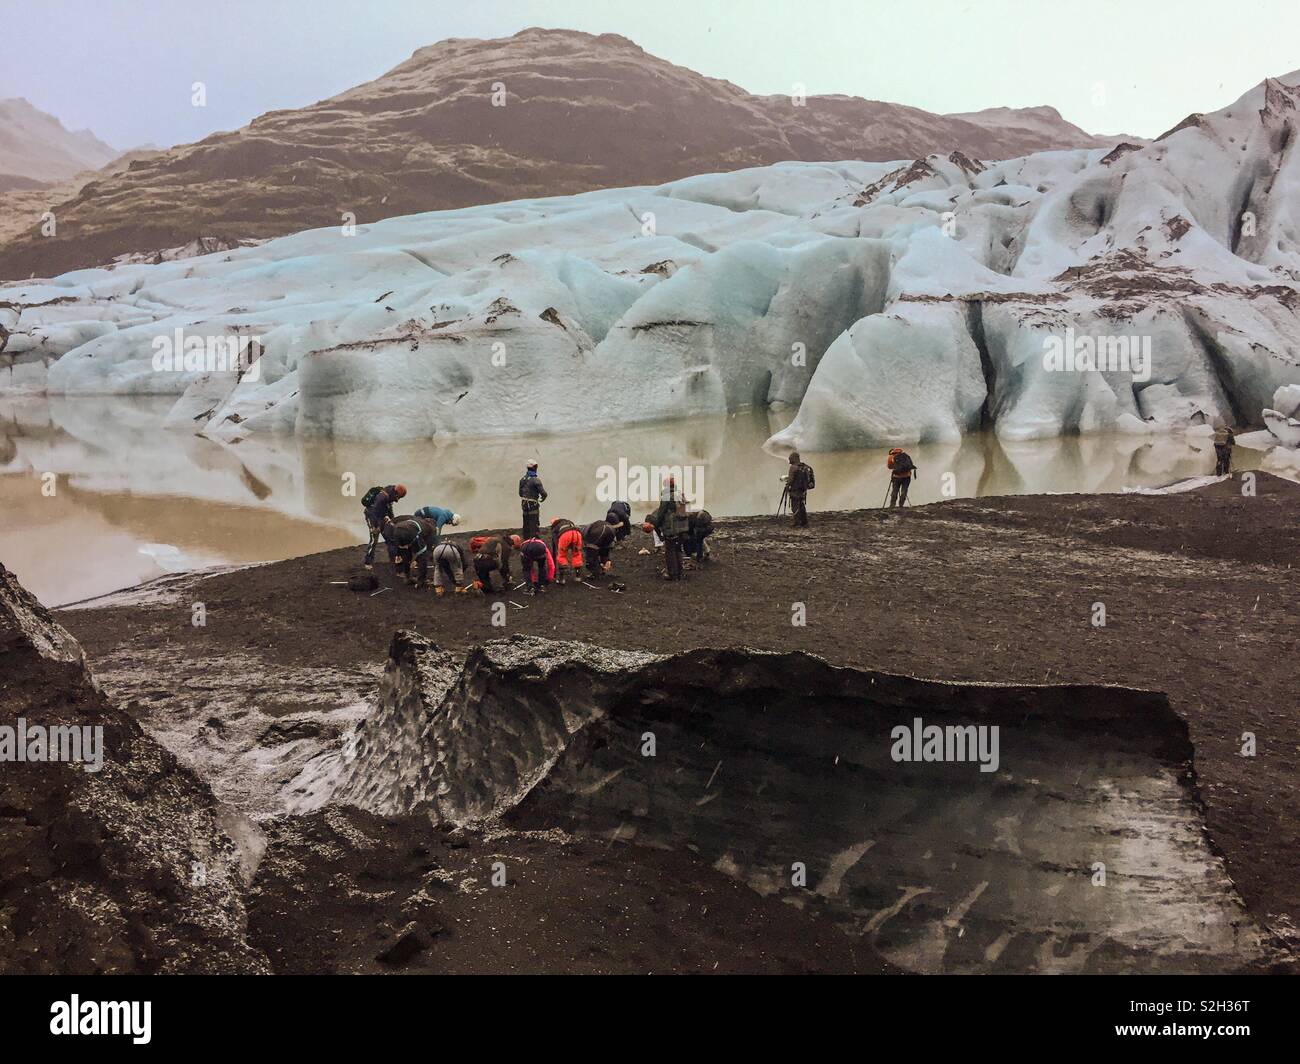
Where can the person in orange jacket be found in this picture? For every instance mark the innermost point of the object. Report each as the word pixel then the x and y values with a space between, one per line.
pixel 566 545
pixel 902 470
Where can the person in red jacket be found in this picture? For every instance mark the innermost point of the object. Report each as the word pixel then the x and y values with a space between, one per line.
pixel 539 565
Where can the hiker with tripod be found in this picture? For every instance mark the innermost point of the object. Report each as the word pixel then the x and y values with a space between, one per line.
pixel 798 483
pixel 902 470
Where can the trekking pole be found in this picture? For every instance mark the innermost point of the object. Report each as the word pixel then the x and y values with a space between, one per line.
pixel 885 498
pixel 785 495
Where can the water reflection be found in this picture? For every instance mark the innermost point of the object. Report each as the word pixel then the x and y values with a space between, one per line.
pixel 134 500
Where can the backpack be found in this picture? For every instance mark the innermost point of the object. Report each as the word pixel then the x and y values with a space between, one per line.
pixel 369 497
pixel 901 464
pixel 802 478
pixel 675 521
pixel 362 580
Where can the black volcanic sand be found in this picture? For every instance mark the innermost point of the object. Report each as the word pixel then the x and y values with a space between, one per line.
pixel 1201 602
pixel 422 900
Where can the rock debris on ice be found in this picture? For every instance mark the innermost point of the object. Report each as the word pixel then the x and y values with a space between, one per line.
pixel 888 302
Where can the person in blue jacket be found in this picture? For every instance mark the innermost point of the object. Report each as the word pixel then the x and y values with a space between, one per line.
pixel 438 516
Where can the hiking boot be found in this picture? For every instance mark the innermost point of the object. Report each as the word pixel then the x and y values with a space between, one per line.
pixel 440 591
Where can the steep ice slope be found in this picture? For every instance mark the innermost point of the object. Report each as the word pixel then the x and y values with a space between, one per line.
pixel 894 302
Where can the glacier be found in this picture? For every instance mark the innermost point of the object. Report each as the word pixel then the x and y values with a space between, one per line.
pixel 887 303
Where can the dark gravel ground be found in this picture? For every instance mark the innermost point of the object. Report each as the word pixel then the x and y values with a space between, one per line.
pixel 1199 590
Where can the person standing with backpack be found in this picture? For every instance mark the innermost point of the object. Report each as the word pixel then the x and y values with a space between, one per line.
pixel 672 525
pixel 1224 439
pixel 902 470
pixel 531 496
pixel 798 483
pixel 377 504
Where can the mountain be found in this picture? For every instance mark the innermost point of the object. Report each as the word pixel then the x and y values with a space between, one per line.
pixel 924 297
pixel 36 149
pixel 1042 124
pixel 579 112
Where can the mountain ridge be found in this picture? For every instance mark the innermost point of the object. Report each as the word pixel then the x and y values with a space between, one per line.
pixel 467 121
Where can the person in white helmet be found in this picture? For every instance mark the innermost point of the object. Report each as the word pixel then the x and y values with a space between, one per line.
pixel 531 496
pixel 439 516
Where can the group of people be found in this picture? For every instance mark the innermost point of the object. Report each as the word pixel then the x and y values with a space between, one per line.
pixel 569 553
pixel 800 480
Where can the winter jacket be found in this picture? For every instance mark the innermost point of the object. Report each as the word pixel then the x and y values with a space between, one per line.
pixel 381 507
pixel 619 518
pixel 436 514
pixel 530 488
pixel 536 552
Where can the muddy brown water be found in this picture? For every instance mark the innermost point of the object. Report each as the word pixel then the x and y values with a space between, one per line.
pixel 133 500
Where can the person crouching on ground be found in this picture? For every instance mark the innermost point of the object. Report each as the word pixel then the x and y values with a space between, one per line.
pixel 699 530
pixel 439 516
pixel 566 546
pixel 492 554
pixel 377 505
pixel 598 539
pixel 452 568
pixel 408 539
pixel 538 563
pixel 902 470
pixel 619 518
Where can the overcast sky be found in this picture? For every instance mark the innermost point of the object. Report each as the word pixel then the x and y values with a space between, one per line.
pixel 123 68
